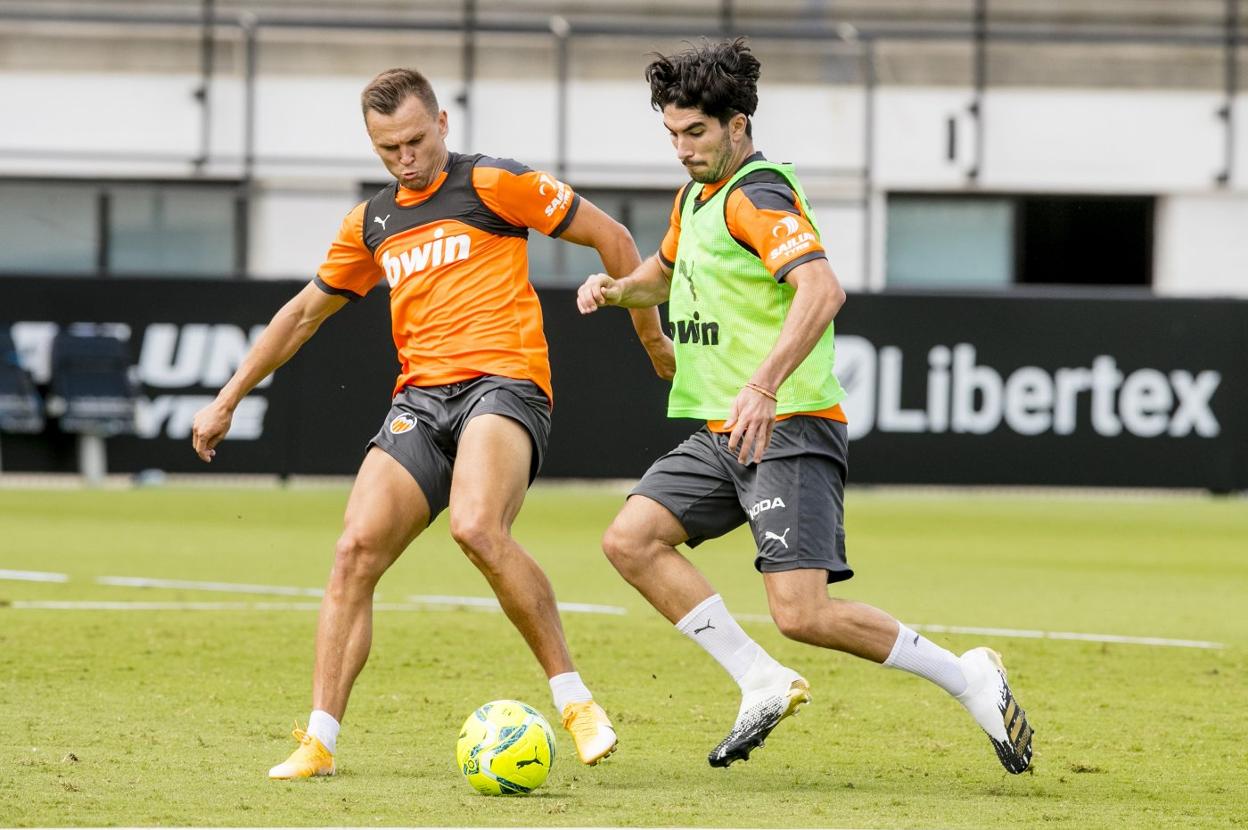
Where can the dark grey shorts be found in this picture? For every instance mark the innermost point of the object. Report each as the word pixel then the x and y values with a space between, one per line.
pixel 423 428
pixel 793 499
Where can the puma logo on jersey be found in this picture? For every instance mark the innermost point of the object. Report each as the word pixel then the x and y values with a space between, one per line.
pixel 437 251
pixel 779 537
pixel 686 270
pixel 381 221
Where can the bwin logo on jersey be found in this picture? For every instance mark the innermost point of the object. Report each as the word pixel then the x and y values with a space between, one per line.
pixel 430 254
pixel 766 504
pixel 696 332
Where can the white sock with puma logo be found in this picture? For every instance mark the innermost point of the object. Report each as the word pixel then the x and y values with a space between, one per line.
pixel 711 626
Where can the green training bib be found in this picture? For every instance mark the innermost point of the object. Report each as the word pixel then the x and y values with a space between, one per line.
pixel 726 311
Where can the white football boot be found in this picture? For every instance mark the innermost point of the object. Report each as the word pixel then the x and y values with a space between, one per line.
pixel 761 711
pixel 990 702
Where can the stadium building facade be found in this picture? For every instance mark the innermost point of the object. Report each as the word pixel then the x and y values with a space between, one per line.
pixel 960 154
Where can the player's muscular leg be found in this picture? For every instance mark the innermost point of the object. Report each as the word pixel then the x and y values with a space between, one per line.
pixel 803 611
pixel 487 488
pixel 384 514
pixel 641 544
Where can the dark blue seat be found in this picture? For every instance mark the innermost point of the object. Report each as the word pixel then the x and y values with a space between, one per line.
pixel 21 408
pixel 92 392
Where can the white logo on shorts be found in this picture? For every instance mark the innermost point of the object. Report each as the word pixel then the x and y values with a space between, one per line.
pixel 402 424
pixel 767 534
pixel 766 504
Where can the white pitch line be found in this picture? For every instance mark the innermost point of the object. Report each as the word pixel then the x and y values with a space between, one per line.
pixel 423 602
pixel 1038 635
pixel 125 605
pixel 491 604
pixel 223 587
pixel 33 576
pixel 1069 635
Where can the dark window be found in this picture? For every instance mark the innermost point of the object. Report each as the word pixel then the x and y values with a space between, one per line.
pixel 1085 240
pixel 998 240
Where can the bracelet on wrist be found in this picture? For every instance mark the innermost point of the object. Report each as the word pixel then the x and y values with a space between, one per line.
pixel 766 393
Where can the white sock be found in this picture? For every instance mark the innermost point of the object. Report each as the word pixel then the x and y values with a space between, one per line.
pixel 918 655
pixel 568 688
pixel 323 727
pixel 712 627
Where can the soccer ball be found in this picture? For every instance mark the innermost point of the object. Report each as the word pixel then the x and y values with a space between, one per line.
pixel 505 748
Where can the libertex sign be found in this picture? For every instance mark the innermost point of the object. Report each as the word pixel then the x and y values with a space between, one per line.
pixel 960 392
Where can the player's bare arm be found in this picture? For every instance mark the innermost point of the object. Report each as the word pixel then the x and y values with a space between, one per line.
pixel 615 246
pixel 290 328
pixel 817 299
pixel 646 287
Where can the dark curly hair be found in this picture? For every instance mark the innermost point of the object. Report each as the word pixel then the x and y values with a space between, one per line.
pixel 720 79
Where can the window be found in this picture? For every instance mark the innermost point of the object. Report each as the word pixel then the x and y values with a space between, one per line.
pixel 49 228
pixel 950 242
pixel 168 229
pixel 1081 240
pixel 171 231
pixel 958 241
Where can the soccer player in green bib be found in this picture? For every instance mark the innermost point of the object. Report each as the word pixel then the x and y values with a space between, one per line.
pixel 751 298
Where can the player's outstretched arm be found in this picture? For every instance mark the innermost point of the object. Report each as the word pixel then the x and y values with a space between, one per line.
pixel 289 329
pixel 645 287
pixel 619 256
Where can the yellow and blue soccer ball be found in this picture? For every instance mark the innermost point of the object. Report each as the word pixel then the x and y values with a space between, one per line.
pixel 505 748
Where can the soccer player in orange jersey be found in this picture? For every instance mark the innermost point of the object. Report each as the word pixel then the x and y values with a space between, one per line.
pixel 471 411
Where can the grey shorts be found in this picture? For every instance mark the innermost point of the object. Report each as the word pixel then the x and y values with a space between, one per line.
pixel 423 427
pixel 793 499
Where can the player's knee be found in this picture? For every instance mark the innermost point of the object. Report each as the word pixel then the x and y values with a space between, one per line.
pixel 480 538
pixel 791 623
pixel 624 547
pixel 358 558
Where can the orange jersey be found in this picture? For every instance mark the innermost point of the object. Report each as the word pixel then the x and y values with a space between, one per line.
pixel 455 257
pixel 757 204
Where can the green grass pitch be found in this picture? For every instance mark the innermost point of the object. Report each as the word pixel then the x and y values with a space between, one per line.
pixel 172 717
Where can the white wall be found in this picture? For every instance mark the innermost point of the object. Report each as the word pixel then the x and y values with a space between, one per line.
pixel 1103 141
pixel 312 151
pixel 1202 245
pixel 292 226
